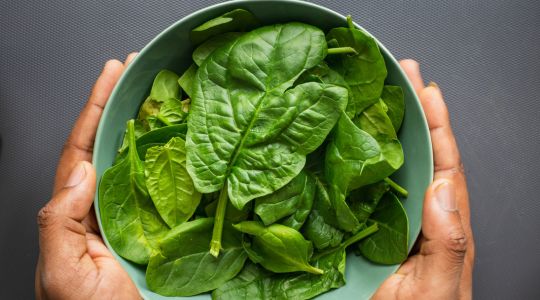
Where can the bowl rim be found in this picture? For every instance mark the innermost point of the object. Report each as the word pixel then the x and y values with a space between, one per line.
pixel 126 73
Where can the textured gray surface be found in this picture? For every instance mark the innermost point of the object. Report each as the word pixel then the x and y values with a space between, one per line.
pixel 484 55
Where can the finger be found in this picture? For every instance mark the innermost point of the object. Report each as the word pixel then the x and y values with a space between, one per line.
pixel 446 156
pixel 412 70
pixel 62 237
pixel 445 246
pixel 80 143
pixel 130 58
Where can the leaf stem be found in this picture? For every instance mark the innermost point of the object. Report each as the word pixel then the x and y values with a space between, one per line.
pixel 396 187
pixel 342 50
pixel 353 239
pixel 350 22
pixel 215 243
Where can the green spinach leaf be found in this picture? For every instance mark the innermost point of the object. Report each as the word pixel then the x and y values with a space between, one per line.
pixel 186 81
pixel 286 201
pixel 365 71
pixel 205 49
pixel 364 201
pixel 183 266
pixel 278 248
pixel 126 209
pixel 256 283
pixel 235 20
pixel 395 102
pixel 169 184
pixel 389 245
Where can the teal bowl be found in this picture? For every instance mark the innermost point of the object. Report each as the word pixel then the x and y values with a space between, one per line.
pixel 172 50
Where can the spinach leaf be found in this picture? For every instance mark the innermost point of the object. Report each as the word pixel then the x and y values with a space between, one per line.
pixel 183 266
pixel 395 102
pixel 187 79
pixel 323 74
pixel 321 225
pixel 256 283
pixel 232 214
pixel 364 201
pixel 286 201
pixel 347 154
pixel 139 131
pixel 169 184
pixel 173 111
pixel 278 248
pixel 389 244
pixel 165 86
pixel 365 71
pixel 205 49
pixel 235 20
pixel 155 137
pixel 248 134
pixel 126 210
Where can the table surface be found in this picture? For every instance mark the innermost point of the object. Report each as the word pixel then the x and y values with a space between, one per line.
pixel 483 54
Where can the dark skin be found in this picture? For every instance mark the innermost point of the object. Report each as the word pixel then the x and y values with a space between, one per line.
pixel 74 263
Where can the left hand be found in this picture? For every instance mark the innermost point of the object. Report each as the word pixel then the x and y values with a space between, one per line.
pixel 74 263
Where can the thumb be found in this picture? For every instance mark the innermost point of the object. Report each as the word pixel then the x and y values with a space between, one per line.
pixel 444 246
pixel 61 234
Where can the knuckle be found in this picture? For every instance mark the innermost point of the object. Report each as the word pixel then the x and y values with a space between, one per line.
pixel 46 216
pixel 456 244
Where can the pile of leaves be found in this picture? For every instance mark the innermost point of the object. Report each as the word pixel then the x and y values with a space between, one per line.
pixel 252 173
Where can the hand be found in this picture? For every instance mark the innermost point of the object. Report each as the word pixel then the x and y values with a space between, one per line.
pixel 442 268
pixel 74 263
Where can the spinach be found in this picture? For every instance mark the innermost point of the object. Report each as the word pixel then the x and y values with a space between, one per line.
pixel 169 184
pixel 364 71
pixel 205 49
pixel 152 138
pixel 393 97
pixel 389 245
pixel 256 283
pixel 235 20
pixel 187 79
pixel 322 226
pixel 364 201
pixel 278 248
pixel 280 152
pixel 126 209
pixel 259 131
pixel 298 193
pixel 183 266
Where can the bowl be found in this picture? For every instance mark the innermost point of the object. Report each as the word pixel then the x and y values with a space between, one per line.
pixel 172 50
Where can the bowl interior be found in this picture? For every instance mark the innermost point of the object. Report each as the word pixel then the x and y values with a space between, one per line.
pixel 172 50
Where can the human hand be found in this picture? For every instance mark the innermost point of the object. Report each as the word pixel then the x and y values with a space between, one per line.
pixel 442 267
pixel 74 263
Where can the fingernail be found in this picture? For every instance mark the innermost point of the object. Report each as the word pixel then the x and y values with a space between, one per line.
pixel 77 175
pixel 433 84
pixel 446 196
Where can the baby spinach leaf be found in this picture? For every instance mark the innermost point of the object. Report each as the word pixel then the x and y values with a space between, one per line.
pixel 297 220
pixel 365 71
pixel 169 184
pixel 205 49
pixel 361 234
pixel 165 86
pixel 183 266
pixel 130 221
pixel 389 244
pixel 256 134
pixel 156 137
pixel 235 20
pixel 232 214
pixel 139 130
pixel 278 248
pixel 364 201
pixel 173 111
pixel 187 79
pixel 248 133
pixel 347 154
pixel 395 102
pixel 321 225
pixel 285 201
pixel 256 283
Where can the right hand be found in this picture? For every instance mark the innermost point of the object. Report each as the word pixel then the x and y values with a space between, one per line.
pixel 442 268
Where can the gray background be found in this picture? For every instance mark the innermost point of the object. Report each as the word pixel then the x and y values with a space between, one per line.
pixel 483 54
